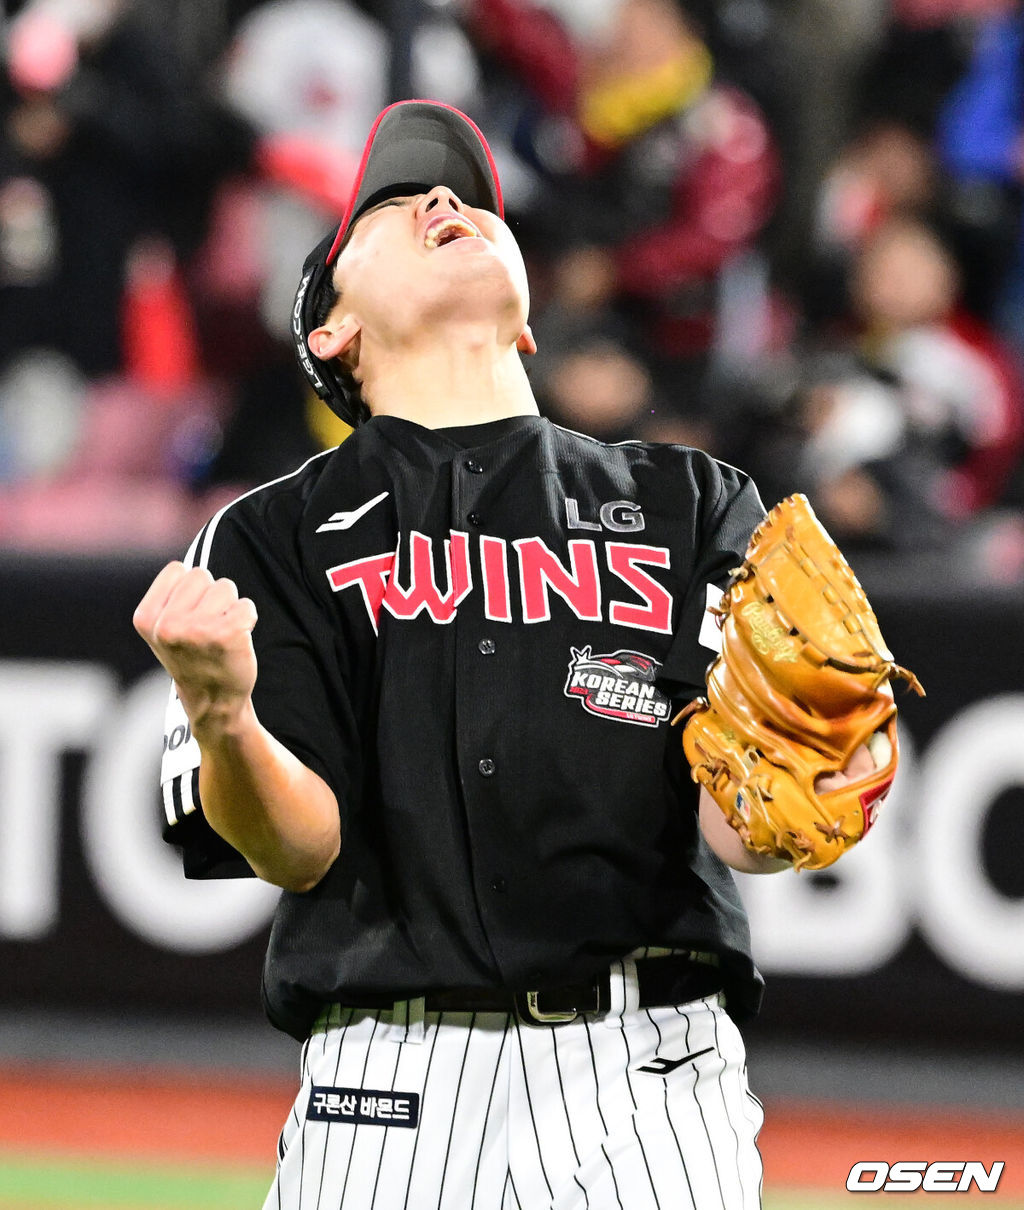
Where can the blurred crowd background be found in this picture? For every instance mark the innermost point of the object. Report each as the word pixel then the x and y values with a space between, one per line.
pixel 787 231
pixel 790 232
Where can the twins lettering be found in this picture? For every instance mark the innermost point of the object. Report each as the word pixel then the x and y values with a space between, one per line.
pixel 385 581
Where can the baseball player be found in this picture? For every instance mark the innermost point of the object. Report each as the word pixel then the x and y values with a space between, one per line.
pixel 426 682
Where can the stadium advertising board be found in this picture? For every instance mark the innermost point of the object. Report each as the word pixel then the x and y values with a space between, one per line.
pixel 922 923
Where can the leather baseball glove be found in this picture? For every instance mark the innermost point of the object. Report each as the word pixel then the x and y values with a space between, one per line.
pixel 803 679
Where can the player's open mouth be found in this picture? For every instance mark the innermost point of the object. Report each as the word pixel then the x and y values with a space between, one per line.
pixel 445 229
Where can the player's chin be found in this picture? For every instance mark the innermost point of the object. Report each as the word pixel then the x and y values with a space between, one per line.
pixel 473 255
pixel 465 258
pixel 477 287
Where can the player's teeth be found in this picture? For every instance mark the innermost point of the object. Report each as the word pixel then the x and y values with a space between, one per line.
pixel 434 236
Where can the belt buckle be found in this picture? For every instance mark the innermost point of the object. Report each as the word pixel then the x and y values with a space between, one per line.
pixel 528 1004
pixel 543 1018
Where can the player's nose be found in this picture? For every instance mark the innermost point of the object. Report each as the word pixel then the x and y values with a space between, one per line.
pixel 439 199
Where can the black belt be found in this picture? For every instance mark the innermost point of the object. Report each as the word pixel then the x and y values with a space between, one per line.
pixel 673 979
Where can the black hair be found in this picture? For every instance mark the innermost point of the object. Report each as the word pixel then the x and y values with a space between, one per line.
pixel 325 298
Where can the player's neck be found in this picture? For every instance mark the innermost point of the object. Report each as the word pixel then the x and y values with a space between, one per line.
pixel 451 383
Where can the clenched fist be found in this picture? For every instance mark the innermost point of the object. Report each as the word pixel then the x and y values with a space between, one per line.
pixel 201 631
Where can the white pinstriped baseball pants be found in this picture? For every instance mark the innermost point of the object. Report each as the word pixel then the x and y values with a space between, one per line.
pixel 525 1117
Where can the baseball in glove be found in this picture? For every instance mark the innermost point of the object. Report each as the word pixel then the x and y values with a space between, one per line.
pixel 803 679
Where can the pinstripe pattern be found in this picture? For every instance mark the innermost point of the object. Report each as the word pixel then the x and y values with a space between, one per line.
pixel 387 1131
pixel 568 1116
pixel 523 1117
pixel 700 1110
pixel 531 1113
pixel 353 1131
pixel 669 1121
pixel 416 1142
pixel 636 1131
pixel 725 1106
pixel 511 1199
pixel 488 1117
pixel 458 1089
pixel 597 1097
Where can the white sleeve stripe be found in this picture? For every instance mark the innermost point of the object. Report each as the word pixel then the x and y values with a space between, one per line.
pixel 190 557
pixel 168 796
pixel 180 796
pixel 188 803
pixel 205 538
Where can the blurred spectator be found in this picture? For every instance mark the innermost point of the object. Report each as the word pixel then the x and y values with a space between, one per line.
pixel 310 77
pixel 655 173
pixel 886 169
pixel 586 373
pixel 104 141
pixel 109 158
pixel 314 69
pixel 41 410
pixel 981 141
pixel 909 71
pixel 960 390
pixel 121 485
pixel 926 13
pixel 917 427
pixel 155 199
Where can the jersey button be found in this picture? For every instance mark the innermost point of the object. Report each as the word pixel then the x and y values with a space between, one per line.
pixel 498 884
pixel 475 520
pixel 487 767
pixel 486 646
pixel 474 467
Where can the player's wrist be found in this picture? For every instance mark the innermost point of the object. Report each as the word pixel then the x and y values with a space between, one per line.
pixel 223 722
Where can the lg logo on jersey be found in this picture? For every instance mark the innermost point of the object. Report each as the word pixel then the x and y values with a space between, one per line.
pixel 907 1176
pixel 379 578
pixel 620 516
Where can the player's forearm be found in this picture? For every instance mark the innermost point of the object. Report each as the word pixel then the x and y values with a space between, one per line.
pixel 280 815
pixel 725 842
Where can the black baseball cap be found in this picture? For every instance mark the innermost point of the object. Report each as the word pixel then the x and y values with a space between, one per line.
pixel 412 147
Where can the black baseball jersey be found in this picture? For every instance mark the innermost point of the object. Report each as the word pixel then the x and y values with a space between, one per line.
pixel 477 637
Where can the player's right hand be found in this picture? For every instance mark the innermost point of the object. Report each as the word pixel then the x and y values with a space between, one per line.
pixel 201 631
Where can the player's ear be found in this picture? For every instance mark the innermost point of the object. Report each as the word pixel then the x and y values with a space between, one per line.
pixel 526 343
pixel 330 342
